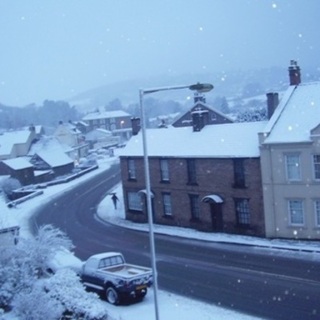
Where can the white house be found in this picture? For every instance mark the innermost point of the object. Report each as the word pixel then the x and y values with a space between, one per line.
pixel 290 162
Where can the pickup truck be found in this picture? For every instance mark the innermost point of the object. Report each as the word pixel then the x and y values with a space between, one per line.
pixel 109 274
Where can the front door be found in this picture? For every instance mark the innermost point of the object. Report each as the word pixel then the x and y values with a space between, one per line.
pixel 216 216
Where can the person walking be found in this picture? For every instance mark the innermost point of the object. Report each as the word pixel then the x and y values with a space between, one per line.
pixel 115 199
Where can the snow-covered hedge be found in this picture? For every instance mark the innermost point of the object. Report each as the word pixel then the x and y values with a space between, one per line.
pixel 32 293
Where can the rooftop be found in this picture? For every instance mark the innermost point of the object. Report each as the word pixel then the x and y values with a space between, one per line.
pixel 218 141
pixel 297 114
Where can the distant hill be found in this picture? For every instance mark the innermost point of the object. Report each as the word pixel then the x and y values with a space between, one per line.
pixel 237 83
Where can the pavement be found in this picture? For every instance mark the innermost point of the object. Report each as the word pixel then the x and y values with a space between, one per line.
pixel 107 213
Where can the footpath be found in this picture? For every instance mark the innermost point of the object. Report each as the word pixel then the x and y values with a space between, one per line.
pixel 107 213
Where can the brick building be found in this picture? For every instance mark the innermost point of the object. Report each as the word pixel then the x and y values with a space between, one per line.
pixel 118 122
pixel 206 114
pixel 206 177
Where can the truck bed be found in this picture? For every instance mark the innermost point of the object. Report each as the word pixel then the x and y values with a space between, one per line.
pixel 126 270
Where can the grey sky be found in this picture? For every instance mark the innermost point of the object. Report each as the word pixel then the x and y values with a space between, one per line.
pixel 53 49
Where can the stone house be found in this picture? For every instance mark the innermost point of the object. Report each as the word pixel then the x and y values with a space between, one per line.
pixel 290 161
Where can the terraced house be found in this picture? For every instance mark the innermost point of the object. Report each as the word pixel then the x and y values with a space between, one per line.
pixel 203 176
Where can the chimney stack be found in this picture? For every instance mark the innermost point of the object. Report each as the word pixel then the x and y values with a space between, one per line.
pixel 136 126
pixel 199 119
pixel 272 103
pixel 294 73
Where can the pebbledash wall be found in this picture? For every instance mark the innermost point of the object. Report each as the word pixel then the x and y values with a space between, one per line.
pixel 215 176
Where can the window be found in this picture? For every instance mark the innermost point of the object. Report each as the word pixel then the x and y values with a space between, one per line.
pixel 238 170
pixel 134 201
pixel 296 214
pixel 242 212
pixel 192 174
pixel 293 167
pixel 317 212
pixel 111 261
pixel 195 208
pixel 131 169
pixel 316 166
pixel 164 170
pixel 167 207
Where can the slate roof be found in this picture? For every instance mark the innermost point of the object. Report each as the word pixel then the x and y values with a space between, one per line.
pixel 297 114
pixel 54 157
pixel 105 115
pixel 219 141
pixel 18 163
pixel 9 139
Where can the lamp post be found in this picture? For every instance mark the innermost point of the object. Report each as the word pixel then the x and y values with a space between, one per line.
pixel 199 87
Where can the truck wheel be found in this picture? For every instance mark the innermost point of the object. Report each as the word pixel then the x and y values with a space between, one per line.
pixel 112 295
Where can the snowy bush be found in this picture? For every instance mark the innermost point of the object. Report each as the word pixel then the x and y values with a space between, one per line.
pixel 62 296
pixel 65 287
pixel 9 185
pixel 16 274
pixel 36 304
pixel 44 246
pixel 23 264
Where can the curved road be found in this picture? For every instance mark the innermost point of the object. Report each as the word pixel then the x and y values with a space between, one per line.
pixel 248 279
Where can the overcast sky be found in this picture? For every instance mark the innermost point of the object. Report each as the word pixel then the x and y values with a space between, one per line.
pixel 54 49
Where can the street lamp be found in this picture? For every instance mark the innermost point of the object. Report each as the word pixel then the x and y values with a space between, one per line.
pixel 199 87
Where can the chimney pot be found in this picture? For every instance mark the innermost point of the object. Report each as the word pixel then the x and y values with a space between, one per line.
pixel 199 97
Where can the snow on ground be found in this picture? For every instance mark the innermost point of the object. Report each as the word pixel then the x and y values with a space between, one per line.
pixel 170 306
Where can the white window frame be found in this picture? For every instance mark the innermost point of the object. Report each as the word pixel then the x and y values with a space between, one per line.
pixel 316 204
pixel 243 211
pixel 134 201
pixel 293 168
pixel 316 167
pixel 167 204
pixel 164 170
pixel 293 220
pixel 132 169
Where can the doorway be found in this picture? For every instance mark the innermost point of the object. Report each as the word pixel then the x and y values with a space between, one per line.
pixel 216 216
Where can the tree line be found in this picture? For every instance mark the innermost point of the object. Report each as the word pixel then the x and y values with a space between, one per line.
pixel 48 114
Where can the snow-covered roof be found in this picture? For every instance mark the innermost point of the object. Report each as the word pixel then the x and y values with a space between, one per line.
pixel 105 115
pixel 9 139
pixel 297 114
pixel 213 141
pixel 98 134
pixel 199 104
pixel 47 143
pixel 54 157
pixel 83 123
pixel 18 163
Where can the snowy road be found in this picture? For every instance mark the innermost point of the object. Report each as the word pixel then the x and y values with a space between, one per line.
pixel 247 279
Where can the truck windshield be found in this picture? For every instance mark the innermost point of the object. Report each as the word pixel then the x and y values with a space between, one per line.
pixel 110 261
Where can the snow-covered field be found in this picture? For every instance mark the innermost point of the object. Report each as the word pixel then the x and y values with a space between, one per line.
pixel 170 306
